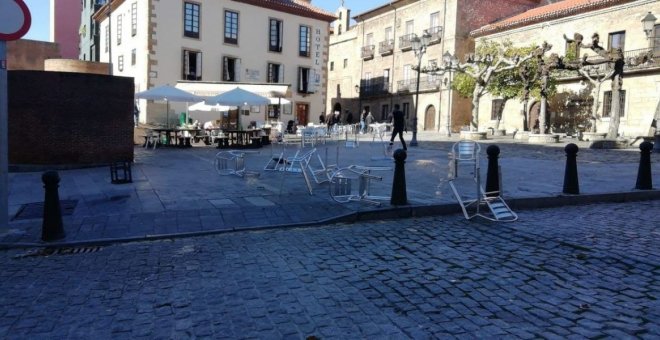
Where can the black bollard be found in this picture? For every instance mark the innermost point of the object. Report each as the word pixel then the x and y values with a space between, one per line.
pixel 493 176
pixel 571 185
pixel 399 195
pixel 52 228
pixel 644 180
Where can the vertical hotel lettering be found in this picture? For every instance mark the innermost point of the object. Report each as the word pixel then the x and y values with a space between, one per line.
pixel 318 56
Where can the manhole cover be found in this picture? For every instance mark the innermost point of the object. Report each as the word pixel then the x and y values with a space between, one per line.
pixel 36 210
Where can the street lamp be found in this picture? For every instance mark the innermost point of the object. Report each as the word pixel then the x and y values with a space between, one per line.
pixel 357 90
pixel 450 62
pixel 419 47
pixel 648 22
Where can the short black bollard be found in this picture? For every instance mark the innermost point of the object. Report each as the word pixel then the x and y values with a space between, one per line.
pixel 493 176
pixel 52 228
pixel 399 195
pixel 644 179
pixel 571 184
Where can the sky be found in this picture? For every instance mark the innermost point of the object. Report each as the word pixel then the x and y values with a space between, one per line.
pixel 39 10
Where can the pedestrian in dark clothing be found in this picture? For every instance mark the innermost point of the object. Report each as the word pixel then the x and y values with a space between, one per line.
pixel 397 126
pixel 349 117
pixel 322 118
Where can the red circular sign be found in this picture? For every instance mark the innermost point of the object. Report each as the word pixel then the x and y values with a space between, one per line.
pixel 15 19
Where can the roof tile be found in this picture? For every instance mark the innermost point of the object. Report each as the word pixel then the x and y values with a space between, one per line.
pixel 545 13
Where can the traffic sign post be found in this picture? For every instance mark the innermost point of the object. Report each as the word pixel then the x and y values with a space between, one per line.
pixel 15 21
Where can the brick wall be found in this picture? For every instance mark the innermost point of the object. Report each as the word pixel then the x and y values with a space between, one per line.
pixel 69 119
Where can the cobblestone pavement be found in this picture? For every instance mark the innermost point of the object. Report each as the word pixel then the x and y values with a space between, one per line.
pixel 565 273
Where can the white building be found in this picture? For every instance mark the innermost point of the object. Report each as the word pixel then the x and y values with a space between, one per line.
pixel 224 41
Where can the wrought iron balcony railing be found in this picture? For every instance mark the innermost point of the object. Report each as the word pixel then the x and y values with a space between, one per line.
pixel 405 41
pixel 386 47
pixel 367 52
pixel 436 34
pixel 372 89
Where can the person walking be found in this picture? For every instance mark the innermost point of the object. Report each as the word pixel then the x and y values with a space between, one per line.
pixel 368 121
pixel 363 122
pixel 397 126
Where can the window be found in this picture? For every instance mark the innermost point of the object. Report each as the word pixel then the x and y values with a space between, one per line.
pixel 435 19
pixel 192 65
pixel 133 19
pixel 607 103
pixel 120 63
pixel 306 80
pixel 386 79
pixel 388 33
pixel 231 27
pixel 617 40
pixel 406 73
pixel 384 112
pixel 345 63
pixel 119 29
pixel 496 109
pixel 275 73
pixel 410 27
pixel 332 66
pixel 190 20
pixel 339 30
pixel 305 41
pixel 133 56
pixel 231 69
pixel 370 39
pixel 275 36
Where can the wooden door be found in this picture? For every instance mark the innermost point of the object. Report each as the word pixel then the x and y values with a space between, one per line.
pixel 429 119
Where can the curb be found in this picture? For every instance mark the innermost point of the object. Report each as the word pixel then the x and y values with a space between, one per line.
pixel 408 211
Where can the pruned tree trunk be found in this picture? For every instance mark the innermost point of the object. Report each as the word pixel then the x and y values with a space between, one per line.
pixel 615 116
pixel 594 109
pixel 544 105
pixel 476 96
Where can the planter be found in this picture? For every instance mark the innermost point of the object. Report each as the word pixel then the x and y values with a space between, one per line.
pixel 593 136
pixel 543 139
pixel 473 135
pixel 521 135
pixel 501 132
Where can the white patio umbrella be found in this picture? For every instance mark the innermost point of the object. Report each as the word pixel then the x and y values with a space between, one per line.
pixel 201 106
pixel 238 97
pixel 168 94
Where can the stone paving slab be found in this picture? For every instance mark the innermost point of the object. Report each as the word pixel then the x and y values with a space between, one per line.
pixel 574 272
pixel 178 191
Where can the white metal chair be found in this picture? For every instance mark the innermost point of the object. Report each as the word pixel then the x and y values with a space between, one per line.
pixel 465 152
pixel 298 163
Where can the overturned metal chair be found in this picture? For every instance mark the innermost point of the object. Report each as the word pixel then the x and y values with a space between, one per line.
pixel 466 152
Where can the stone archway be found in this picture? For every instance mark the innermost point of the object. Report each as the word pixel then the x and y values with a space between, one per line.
pixel 534 112
pixel 336 108
pixel 429 118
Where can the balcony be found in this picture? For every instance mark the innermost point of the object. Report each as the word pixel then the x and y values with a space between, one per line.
pixel 640 59
pixel 368 52
pixel 374 88
pixel 386 47
pixel 427 83
pixel 406 85
pixel 436 34
pixel 405 41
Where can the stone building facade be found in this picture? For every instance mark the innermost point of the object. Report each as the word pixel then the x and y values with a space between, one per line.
pixel 239 42
pixel 618 24
pixel 371 64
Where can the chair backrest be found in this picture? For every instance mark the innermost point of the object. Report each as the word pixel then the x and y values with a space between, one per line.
pixel 466 150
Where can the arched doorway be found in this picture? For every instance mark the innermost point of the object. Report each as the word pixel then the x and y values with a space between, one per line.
pixel 336 108
pixel 429 118
pixel 534 117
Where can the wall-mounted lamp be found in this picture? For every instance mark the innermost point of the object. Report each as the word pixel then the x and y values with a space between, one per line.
pixel 648 22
